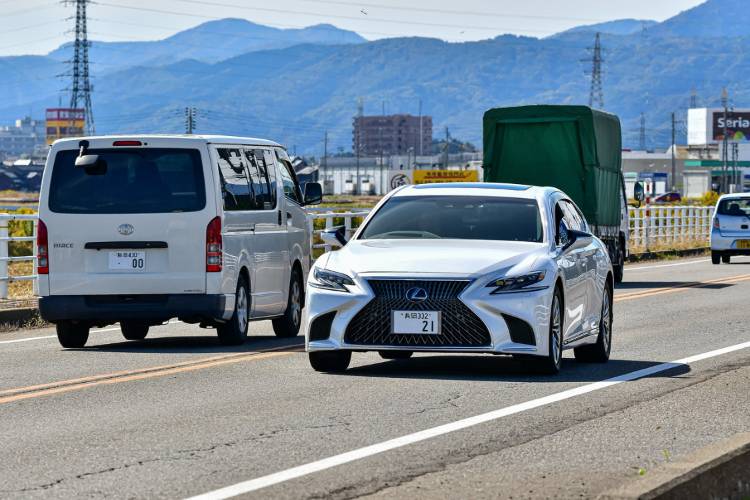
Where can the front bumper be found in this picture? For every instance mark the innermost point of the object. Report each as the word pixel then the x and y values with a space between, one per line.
pixel 150 308
pixel 495 311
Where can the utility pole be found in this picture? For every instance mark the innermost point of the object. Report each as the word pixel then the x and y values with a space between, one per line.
pixel 446 147
pixel 421 139
pixel 596 92
pixel 324 163
pixel 674 162
pixel 358 138
pixel 642 133
pixel 80 91
pixel 725 142
pixel 736 179
pixel 190 113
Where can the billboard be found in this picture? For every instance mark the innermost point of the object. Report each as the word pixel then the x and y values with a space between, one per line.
pixel 737 125
pixel 398 178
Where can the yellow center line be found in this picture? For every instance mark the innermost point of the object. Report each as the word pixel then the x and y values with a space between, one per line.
pixel 681 288
pixel 35 391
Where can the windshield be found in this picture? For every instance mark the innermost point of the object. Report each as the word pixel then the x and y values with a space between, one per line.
pixel 456 217
pixel 131 181
pixel 739 207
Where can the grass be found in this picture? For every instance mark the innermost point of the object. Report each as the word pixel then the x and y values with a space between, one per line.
pixel 21 289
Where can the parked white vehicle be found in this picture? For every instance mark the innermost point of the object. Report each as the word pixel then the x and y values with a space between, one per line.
pixel 730 233
pixel 141 229
pixel 477 268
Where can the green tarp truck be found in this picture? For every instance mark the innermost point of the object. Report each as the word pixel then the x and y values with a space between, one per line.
pixel 573 148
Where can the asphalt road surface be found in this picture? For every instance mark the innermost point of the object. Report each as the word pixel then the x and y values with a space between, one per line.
pixel 177 415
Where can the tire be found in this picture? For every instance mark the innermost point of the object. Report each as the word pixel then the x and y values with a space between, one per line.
pixel 395 354
pixel 288 325
pixel 234 332
pixel 330 361
pixel 552 362
pixel 599 352
pixel 72 335
pixel 619 269
pixel 132 330
pixel 715 258
pixel 726 259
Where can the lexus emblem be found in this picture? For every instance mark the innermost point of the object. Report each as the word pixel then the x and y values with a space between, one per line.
pixel 125 229
pixel 416 295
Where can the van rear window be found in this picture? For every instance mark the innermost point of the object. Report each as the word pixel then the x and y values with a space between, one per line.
pixel 131 181
pixel 738 207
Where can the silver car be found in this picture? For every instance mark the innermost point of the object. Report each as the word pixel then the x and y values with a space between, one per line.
pixel 730 234
pixel 469 268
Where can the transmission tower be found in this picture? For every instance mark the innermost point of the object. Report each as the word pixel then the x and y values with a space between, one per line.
pixel 596 94
pixel 693 98
pixel 190 114
pixel 80 91
pixel 642 134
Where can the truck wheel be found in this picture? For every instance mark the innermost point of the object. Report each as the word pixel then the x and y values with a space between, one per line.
pixel 715 258
pixel 72 335
pixel 288 325
pixel 619 268
pixel 133 330
pixel 234 332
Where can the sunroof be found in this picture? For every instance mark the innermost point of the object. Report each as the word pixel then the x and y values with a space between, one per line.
pixel 474 185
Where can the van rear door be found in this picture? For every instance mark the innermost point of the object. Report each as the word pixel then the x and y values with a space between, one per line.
pixel 134 223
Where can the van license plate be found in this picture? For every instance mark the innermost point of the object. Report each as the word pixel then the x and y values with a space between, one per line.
pixel 743 244
pixel 416 322
pixel 127 261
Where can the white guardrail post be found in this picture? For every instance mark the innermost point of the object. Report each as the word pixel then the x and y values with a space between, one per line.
pixel 4 240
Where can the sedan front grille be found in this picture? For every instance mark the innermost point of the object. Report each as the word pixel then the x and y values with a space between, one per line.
pixel 460 326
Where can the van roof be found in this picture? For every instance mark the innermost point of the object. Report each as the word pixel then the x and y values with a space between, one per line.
pixel 206 139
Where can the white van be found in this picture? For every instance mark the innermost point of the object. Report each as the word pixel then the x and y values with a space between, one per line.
pixel 138 230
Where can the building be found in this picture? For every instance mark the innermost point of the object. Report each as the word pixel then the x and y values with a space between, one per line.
pixel 64 122
pixel 22 138
pixel 392 135
pixel 729 166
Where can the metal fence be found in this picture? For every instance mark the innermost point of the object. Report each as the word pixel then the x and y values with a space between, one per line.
pixel 651 229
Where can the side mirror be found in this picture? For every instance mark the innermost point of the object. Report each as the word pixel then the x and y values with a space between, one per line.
pixel 563 235
pixel 313 193
pixel 334 237
pixel 639 193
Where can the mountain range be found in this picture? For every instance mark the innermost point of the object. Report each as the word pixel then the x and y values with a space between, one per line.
pixel 294 85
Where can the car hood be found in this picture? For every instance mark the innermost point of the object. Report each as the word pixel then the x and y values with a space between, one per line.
pixel 431 257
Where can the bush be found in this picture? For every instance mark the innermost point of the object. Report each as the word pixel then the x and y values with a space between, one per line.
pixel 709 199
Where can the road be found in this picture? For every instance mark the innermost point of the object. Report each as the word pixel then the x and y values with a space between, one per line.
pixel 177 415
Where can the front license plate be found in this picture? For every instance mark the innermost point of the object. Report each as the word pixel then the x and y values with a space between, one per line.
pixel 127 261
pixel 743 244
pixel 416 322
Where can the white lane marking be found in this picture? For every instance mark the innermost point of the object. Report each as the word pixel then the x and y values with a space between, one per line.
pixel 116 329
pixel 375 449
pixel 659 266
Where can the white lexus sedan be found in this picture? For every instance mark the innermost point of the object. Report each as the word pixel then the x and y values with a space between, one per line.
pixel 463 268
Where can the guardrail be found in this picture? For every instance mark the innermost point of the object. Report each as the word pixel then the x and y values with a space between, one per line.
pixel 651 228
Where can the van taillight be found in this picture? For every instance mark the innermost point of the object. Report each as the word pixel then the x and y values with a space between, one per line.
pixel 42 249
pixel 213 246
pixel 127 143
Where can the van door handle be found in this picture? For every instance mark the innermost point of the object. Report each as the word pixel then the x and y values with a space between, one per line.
pixel 279 212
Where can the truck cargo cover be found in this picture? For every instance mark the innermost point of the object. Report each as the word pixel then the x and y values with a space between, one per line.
pixel 573 148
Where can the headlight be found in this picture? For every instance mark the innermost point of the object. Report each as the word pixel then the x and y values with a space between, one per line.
pixel 526 283
pixel 328 280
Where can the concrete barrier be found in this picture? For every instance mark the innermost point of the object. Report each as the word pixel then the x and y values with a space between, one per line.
pixel 718 471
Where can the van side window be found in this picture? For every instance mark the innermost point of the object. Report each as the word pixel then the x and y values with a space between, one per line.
pixel 288 181
pixel 265 194
pixel 234 186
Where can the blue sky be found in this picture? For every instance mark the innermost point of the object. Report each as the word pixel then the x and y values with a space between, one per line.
pixel 38 26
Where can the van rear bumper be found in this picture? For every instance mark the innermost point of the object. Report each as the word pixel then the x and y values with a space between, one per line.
pixel 156 308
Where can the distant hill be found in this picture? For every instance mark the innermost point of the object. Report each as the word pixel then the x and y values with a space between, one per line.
pixel 297 92
pixel 209 42
pixel 619 27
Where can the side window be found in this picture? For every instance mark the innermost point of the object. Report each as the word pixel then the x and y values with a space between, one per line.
pixel 263 188
pixel 289 182
pixel 234 186
pixel 575 217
